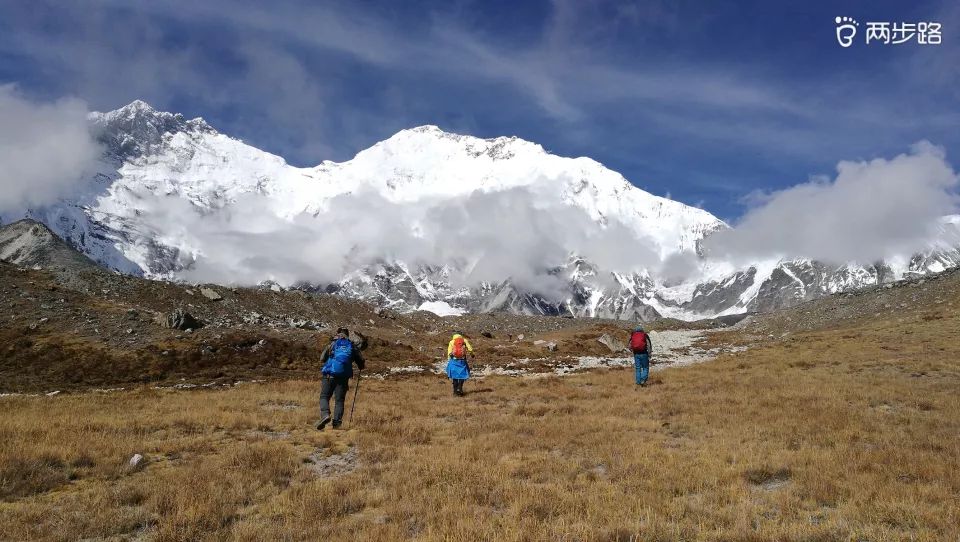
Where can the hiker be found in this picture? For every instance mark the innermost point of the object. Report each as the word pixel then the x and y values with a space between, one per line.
pixel 338 359
pixel 641 346
pixel 457 368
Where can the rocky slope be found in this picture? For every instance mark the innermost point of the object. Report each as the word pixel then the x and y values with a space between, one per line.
pixel 66 323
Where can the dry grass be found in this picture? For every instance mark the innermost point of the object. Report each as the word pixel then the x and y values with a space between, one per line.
pixel 851 434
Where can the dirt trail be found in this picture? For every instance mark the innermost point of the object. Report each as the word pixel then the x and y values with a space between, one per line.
pixel 671 348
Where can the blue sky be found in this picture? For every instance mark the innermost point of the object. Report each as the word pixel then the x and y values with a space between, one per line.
pixel 708 102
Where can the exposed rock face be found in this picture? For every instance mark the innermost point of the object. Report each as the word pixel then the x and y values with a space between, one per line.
pixel 28 243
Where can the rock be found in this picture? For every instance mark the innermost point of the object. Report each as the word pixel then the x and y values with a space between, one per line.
pixel 551 346
pixel 611 343
pixel 300 323
pixel 53 393
pixel 137 461
pixel 538 342
pixel 520 337
pixel 43 320
pixel 275 288
pixel 487 334
pixel 210 294
pixel 129 331
pixel 182 320
pixel 360 340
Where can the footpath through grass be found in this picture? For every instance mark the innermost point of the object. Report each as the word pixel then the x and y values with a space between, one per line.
pixel 851 434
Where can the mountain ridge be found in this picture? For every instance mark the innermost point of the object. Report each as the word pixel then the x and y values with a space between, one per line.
pixel 177 200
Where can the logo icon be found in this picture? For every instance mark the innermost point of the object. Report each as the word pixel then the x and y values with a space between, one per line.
pixel 846 30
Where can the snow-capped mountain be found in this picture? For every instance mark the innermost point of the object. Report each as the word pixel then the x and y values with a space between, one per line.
pixel 423 217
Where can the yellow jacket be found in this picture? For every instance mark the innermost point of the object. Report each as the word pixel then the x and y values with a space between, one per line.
pixel 465 343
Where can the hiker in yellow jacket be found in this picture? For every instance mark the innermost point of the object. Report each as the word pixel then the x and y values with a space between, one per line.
pixel 457 368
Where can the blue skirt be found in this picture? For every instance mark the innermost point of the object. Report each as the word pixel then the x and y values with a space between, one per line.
pixel 457 369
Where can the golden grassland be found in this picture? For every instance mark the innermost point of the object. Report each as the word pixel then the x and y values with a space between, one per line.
pixel 846 434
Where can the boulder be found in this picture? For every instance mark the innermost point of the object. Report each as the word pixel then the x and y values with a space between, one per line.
pixel 384 313
pixel 182 320
pixel 210 294
pixel 137 462
pixel 551 346
pixel 611 343
pixel 360 340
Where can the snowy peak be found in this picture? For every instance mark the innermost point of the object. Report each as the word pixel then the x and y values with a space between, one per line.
pixel 428 163
pixel 163 155
pixel 137 129
pixel 430 135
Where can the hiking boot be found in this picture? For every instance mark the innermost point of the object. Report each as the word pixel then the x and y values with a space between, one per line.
pixel 336 425
pixel 323 423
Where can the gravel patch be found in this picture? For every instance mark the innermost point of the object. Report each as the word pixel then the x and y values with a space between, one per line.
pixel 332 465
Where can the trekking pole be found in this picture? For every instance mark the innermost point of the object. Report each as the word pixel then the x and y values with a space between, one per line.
pixel 355 392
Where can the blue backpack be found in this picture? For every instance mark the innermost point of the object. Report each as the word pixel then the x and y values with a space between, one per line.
pixel 340 362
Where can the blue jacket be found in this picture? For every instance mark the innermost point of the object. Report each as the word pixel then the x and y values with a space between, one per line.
pixel 458 369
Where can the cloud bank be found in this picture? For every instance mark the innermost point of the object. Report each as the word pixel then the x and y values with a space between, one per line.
pixel 44 149
pixel 518 234
pixel 870 211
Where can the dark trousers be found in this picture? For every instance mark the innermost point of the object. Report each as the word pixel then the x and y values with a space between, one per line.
pixel 335 386
pixel 458 385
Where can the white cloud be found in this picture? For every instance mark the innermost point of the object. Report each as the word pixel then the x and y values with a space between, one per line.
pixel 517 234
pixel 44 149
pixel 871 210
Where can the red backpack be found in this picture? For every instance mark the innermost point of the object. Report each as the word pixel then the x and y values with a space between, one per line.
pixel 638 341
pixel 459 348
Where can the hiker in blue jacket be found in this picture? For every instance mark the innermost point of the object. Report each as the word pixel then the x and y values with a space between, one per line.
pixel 457 367
pixel 338 359
pixel 641 346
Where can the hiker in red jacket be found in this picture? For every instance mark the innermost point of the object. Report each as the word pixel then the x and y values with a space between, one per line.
pixel 641 346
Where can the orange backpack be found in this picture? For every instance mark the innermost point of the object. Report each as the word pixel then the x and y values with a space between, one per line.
pixel 459 348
